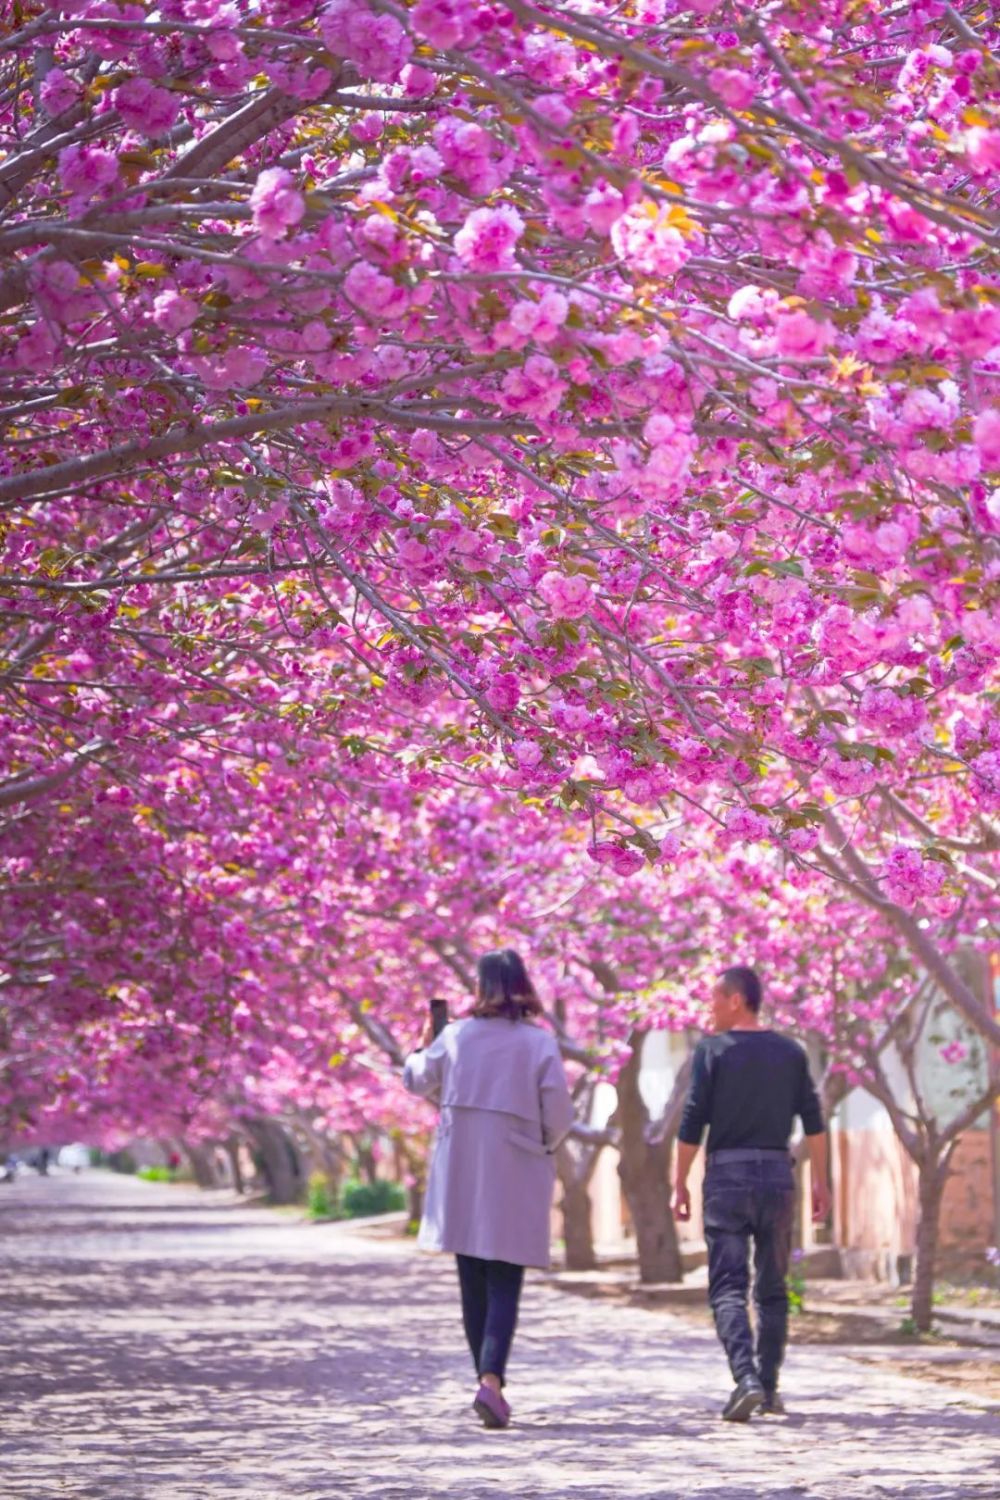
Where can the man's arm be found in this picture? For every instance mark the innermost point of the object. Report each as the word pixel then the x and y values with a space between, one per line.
pixel 811 1115
pixel 819 1176
pixel 686 1154
pixel 693 1122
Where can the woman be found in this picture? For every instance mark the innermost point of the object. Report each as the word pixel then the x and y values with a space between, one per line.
pixel 505 1106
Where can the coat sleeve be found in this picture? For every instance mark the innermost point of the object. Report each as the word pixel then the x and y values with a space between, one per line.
pixel 423 1072
pixel 557 1111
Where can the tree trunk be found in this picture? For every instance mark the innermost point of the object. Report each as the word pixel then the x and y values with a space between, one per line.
pixel 411 1169
pixel 578 1231
pixel 932 1174
pixel 235 1166
pixel 644 1171
pixel 365 1156
pixel 202 1160
pixel 279 1160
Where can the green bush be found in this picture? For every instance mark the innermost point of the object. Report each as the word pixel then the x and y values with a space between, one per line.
pixel 359 1200
pixel 157 1174
pixel 321 1203
pixel 796 1285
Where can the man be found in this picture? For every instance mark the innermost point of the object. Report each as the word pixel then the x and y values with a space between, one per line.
pixel 747 1085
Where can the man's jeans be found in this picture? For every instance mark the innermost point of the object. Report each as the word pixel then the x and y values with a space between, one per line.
pixel 749 1195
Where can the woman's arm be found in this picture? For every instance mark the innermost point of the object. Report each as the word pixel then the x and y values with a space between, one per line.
pixel 423 1071
pixel 558 1114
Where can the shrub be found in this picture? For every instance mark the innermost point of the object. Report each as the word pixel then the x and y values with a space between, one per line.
pixel 157 1174
pixel 321 1203
pixel 359 1200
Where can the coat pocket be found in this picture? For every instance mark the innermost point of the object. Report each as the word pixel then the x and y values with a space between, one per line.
pixel 527 1143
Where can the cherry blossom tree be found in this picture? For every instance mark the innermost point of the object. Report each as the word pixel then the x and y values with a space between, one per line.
pixel 417 414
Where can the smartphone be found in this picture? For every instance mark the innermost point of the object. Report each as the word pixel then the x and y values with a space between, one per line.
pixel 439 1015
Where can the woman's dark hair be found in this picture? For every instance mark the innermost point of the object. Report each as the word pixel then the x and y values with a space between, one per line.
pixel 504 987
pixel 740 980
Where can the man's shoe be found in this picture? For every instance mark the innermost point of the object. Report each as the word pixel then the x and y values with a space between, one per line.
pixel 772 1405
pixel 748 1395
pixel 491 1408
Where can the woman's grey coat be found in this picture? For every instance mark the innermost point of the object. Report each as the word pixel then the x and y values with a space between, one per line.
pixel 505 1106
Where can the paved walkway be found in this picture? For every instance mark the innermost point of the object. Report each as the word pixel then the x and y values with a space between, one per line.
pixel 156 1344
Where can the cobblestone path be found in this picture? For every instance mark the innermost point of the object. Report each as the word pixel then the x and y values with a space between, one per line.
pixel 161 1344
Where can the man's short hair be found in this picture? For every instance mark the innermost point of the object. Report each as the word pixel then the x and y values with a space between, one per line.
pixel 745 982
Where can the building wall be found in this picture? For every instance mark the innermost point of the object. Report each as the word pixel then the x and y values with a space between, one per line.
pixel 967 1221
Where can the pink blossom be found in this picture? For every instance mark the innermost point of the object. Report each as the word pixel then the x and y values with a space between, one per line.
pixel 300 81
pixel 535 390
pixel 444 23
pixel 620 859
pixel 487 239
pixel 376 44
pixel 882 338
pixel 87 169
pixel 624 134
pixel 527 754
pixel 223 45
pixel 568 596
pixel 145 107
pixel 737 89
pixel 415 555
pixel 504 692
pixel 891 713
pixel 470 153
pixel 602 207
pixel 986 778
pixel 36 349
pixel 751 302
pixel 239 366
pixel 367 128
pixel 277 204
pixel 954 1052
pixel 849 776
pixel 540 321
pixel 827 269
pixel 800 336
pixel 743 823
pixel 670 846
pixel 374 293
pixel 986 436
pixel 173 311
pixel 548 58
pixel 909 877
pixel 924 311
pixel 982 148
pixel 975 330
pixel 58 91
pixel 418 83
pixel 647 240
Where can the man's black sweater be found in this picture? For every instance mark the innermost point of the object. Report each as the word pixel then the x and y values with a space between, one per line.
pixel 747 1087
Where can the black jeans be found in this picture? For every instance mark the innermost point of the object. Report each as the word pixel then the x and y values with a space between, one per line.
pixel 750 1199
pixel 491 1291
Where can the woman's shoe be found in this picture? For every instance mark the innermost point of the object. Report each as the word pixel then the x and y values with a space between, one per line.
pixel 491 1407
